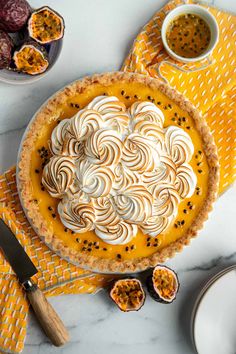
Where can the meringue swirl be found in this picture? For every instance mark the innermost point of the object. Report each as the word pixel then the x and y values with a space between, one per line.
pixel 77 216
pixel 84 124
pixel 58 136
pixel 58 175
pixel 119 234
pixel 124 177
pixel 104 147
pixel 186 181
pixel 179 145
pixel 138 154
pixel 95 181
pixel 117 170
pixel 134 203
pixel 147 111
pixel 109 226
pixel 113 112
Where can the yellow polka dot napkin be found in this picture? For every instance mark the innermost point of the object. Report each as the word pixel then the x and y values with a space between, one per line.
pixel 210 85
pixel 212 89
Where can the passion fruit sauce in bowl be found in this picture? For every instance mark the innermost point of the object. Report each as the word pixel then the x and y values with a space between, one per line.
pixel 189 33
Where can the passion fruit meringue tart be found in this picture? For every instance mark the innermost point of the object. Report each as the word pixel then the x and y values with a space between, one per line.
pixel 117 172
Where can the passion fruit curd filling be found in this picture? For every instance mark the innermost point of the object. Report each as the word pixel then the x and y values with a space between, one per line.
pixel 141 245
pixel 128 294
pixel 188 35
pixel 164 283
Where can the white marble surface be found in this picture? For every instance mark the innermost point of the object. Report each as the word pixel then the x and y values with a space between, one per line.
pixel 98 36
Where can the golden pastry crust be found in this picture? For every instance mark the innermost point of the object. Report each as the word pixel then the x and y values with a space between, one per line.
pixel 52 108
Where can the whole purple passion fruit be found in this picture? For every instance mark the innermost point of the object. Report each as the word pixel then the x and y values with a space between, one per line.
pixel 13 14
pixel 163 284
pixel 31 58
pixel 128 294
pixel 6 46
pixel 46 25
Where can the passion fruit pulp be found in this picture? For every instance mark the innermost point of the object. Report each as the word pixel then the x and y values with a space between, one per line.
pixel 46 25
pixel 128 294
pixel 13 14
pixel 31 58
pixel 6 46
pixel 163 284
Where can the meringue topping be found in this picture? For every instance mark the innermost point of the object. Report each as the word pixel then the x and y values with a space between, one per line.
pixel 117 170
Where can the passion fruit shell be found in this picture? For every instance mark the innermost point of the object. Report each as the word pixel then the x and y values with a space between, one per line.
pixel 163 284
pixel 128 294
pixel 6 46
pixel 13 14
pixel 31 59
pixel 46 25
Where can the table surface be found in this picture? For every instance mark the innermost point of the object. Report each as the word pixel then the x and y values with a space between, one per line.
pixel 97 39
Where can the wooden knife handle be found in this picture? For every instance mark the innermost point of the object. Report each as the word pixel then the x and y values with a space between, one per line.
pixel 46 315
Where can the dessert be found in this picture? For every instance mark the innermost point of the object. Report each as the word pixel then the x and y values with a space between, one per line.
pixel 163 284
pixel 117 172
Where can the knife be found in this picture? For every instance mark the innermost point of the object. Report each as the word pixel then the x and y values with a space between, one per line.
pixel 25 269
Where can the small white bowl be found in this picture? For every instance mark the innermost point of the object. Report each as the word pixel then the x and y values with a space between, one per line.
pixel 205 15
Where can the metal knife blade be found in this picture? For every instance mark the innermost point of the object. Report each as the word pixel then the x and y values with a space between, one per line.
pixel 15 254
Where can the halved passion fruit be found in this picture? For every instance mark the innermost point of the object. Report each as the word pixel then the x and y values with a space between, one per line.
pixel 128 294
pixel 163 284
pixel 31 59
pixel 46 25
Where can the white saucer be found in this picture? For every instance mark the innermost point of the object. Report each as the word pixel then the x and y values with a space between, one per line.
pixel 214 315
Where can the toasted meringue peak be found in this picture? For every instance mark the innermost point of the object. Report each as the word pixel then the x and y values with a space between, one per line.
pixel 107 104
pixel 119 234
pixel 77 216
pixel 134 203
pixel 95 181
pixel 104 147
pixel 124 177
pixel 58 136
pixel 117 169
pixel 113 113
pixel 178 144
pixel 58 175
pixel 146 111
pixel 138 154
pixel 186 181
pixel 84 123
pixel 150 130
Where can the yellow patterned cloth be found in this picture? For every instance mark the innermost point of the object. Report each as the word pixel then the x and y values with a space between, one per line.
pixel 212 90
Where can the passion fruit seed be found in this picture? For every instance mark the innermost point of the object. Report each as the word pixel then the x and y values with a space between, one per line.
pixel 128 294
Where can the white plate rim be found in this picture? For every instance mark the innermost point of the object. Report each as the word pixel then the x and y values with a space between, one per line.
pixel 201 296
